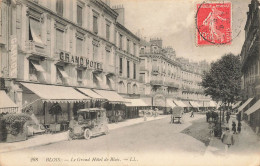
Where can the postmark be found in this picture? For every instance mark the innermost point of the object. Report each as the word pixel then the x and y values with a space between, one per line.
pixel 213 23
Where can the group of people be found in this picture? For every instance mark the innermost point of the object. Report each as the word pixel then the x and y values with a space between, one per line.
pixel 154 113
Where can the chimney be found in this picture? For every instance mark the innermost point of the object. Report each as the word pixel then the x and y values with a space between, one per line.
pixel 121 14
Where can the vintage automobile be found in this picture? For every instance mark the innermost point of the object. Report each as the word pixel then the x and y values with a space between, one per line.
pixel 90 122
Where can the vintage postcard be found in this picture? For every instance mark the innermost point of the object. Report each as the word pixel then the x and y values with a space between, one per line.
pixel 129 82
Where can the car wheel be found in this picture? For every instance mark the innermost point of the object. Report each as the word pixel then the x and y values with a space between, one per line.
pixel 87 134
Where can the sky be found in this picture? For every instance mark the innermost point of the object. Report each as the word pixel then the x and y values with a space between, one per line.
pixel 174 22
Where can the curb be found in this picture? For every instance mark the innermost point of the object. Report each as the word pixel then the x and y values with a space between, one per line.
pixel 10 149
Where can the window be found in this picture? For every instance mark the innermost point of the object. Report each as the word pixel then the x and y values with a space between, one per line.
pixel 128 69
pixel 79 75
pixel 121 41
pixel 35 31
pixel 79 15
pixel 59 39
pixel 120 66
pixel 134 71
pixel 107 32
pixel 95 24
pixel 128 45
pixel 134 49
pixel 59 7
pixel 79 47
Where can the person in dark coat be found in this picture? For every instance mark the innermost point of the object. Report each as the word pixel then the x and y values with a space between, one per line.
pixel 239 127
pixel 207 116
pixel 234 129
pixel 227 117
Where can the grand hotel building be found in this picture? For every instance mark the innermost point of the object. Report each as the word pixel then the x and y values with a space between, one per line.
pixel 66 55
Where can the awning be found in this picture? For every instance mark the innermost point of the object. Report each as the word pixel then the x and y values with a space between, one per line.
pixel 194 104
pixel 236 105
pixel 179 103
pixel 6 104
pixel 187 104
pixel 254 108
pixel 206 103
pixel 52 93
pixel 111 96
pixel 212 104
pixel 169 103
pixel 37 67
pixel 91 94
pixel 148 101
pixel 245 104
pixel 135 103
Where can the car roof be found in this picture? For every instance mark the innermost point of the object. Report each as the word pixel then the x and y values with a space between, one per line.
pixel 91 110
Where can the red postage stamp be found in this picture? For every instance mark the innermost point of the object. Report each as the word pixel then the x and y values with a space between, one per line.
pixel 213 21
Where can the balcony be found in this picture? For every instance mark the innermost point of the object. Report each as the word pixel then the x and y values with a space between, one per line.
pixel 156 81
pixel 34 48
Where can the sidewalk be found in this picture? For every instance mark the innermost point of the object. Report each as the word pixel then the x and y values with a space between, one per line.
pixel 245 143
pixel 45 139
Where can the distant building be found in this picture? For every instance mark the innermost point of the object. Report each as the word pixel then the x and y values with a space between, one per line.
pixel 167 77
pixel 250 59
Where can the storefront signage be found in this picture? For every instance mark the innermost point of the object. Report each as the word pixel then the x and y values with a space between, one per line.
pixel 13 58
pixel 85 62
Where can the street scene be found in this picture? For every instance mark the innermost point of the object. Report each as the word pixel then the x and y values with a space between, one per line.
pixel 120 82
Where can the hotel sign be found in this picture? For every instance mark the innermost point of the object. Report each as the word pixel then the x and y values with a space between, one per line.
pixel 81 61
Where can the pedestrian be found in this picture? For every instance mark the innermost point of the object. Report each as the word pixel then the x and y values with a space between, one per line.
pixel 207 116
pixel 227 117
pixel 145 118
pixel 234 127
pixel 192 114
pixel 239 127
pixel 227 139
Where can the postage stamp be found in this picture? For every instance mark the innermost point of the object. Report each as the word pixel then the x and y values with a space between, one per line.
pixel 213 22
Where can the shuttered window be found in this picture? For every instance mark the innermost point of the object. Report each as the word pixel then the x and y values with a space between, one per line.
pixel 35 31
pixel 59 7
pixel 128 45
pixel 120 66
pixel 95 24
pixel 134 76
pixel 128 69
pixel 79 15
pixel 121 41
pixel 59 39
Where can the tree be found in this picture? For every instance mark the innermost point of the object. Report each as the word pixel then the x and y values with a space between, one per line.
pixel 223 81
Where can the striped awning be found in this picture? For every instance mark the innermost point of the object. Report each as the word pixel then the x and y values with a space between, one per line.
pixel 179 103
pixel 91 93
pixel 135 103
pixel 254 108
pixel 170 103
pixel 53 94
pixel 194 104
pixel 111 96
pixel 245 104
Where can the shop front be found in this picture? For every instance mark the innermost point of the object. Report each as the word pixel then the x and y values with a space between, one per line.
pixel 115 105
pixel 53 106
pixel 133 107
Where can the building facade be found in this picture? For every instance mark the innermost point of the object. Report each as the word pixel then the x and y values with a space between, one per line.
pixel 250 59
pixel 64 43
pixel 167 77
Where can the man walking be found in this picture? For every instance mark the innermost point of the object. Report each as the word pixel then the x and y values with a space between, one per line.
pixel 192 114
